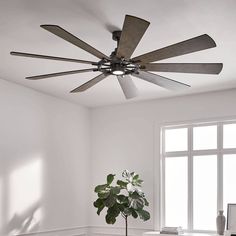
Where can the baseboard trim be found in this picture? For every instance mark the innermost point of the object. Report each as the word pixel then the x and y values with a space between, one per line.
pixel 115 231
pixel 117 227
pixel 89 231
pixel 75 231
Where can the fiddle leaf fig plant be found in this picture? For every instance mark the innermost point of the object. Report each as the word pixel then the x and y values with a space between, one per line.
pixel 124 198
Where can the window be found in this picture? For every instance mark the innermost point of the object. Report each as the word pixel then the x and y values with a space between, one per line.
pixel 198 166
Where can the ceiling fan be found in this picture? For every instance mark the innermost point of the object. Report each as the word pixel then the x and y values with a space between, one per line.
pixel 121 64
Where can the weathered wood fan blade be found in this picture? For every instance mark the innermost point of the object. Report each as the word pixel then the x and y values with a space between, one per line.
pixel 201 68
pixel 89 84
pixel 128 86
pixel 132 32
pixel 191 45
pixel 59 74
pixel 23 54
pixel 160 80
pixel 60 32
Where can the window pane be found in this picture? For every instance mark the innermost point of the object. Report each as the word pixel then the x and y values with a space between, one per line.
pixel 176 198
pixel 205 137
pixel 204 192
pixel 229 180
pixel 176 140
pixel 229 136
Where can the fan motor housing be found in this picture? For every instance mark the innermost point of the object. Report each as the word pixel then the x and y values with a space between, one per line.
pixel 117 69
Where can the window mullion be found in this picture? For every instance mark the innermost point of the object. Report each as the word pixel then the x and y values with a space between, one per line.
pixel 220 167
pixel 190 178
pixel 176 154
pixel 163 205
pixel 205 152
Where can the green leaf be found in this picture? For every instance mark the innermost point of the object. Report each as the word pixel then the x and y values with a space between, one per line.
pixel 134 214
pixel 100 209
pixel 146 202
pixel 135 178
pixel 103 195
pixel 110 201
pixel 121 207
pixel 134 195
pixel 128 211
pixel 114 211
pixel 110 178
pixel 122 198
pixel 98 203
pixel 121 183
pixel 136 181
pixel 141 193
pixel 110 219
pixel 139 181
pixel 144 215
pixel 115 190
pixel 100 188
pixel 137 204
pixel 125 174
pixel 130 188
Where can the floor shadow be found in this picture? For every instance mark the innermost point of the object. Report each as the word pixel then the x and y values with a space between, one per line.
pixel 25 222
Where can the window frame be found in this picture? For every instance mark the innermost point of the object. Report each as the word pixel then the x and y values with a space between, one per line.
pixel 190 153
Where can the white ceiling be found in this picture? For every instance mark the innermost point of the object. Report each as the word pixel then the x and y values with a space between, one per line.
pixel 172 21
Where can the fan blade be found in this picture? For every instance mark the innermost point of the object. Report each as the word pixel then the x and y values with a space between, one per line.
pixel 22 54
pixel 60 32
pixel 132 32
pixel 89 84
pixel 59 74
pixel 201 68
pixel 191 45
pixel 128 86
pixel 160 80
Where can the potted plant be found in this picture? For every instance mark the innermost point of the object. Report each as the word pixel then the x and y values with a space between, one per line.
pixel 125 198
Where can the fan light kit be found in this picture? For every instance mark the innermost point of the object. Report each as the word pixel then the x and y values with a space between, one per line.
pixel 121 64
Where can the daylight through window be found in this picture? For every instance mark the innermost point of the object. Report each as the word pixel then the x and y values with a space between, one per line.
pixel 198 164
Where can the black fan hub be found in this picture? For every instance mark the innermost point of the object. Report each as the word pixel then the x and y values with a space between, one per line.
pixel 117 69
pixel 117 66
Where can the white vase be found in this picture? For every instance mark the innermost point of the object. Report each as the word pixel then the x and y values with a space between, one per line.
pixel 220 223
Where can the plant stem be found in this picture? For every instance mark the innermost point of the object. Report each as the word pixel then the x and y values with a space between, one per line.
pixel 126 225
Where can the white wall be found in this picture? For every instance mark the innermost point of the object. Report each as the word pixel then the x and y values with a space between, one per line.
pixel 53 153
pixel 127 137
pixel 44 162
